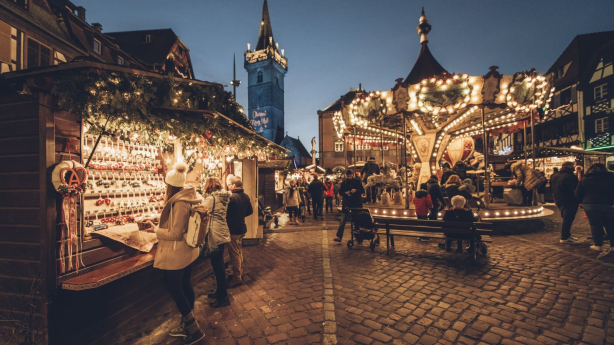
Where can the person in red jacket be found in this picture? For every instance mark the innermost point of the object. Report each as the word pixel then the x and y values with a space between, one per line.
pixel 329 194
pixel 423 203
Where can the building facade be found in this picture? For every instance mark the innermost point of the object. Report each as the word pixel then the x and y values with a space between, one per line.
pixel 266 67
pixel 298 152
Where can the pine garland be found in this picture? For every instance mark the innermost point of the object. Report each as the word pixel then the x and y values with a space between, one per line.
pixel 155 109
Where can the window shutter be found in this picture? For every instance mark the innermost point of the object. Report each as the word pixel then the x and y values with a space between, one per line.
pixel 574 95
pixel 33 49
pixel 45 56
pixel 5 42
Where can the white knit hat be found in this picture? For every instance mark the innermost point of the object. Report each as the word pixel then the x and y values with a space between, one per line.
pixel 177 176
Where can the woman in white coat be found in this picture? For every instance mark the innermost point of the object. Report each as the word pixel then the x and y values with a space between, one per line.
pixel 174 256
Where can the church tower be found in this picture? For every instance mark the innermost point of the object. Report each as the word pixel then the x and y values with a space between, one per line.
pixel 266 68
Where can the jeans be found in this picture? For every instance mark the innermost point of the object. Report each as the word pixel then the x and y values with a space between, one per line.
pixel 344 217
pixel 433 213
pixel 372 194
pixel 527 196
pixel 317 207
pixel 600 216
pixel 568 213
pixel 329 203
pixel 217 262
pixel 235 251
pixel 179 285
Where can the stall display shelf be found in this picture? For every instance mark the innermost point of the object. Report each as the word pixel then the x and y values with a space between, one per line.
pixel 124 184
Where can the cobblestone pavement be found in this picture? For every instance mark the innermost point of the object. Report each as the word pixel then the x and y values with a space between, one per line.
pixel 529 290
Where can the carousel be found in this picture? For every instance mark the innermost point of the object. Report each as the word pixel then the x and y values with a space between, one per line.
pixel 445 118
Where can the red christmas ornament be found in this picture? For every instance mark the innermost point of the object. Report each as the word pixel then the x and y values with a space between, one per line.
pixel 207 135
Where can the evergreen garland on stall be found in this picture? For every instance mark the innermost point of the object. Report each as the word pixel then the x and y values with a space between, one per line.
pixel 156 111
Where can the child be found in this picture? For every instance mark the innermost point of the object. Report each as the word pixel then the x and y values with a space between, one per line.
pixel 457 213
pixel 423 203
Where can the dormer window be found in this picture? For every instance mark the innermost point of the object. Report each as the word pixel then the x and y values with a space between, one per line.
pixel 97 46
pixel 147 38
pixel 259 77
pixel 120 60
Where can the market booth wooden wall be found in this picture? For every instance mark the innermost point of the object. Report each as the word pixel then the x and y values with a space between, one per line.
pixel 116 285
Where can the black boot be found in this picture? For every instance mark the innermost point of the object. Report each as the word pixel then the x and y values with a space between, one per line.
pixel 194 333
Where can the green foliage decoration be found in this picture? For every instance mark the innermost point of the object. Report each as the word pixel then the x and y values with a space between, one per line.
pixel 159 110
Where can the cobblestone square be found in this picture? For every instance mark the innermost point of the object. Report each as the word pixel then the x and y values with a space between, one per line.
pixel 304 288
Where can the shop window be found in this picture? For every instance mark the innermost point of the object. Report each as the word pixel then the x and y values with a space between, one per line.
pixel 120 60
pixel 339 146
pixel 600 92
pixel 58 58
pixel 97 46
pixel 602 125
pixel 259 76
pixel 38 54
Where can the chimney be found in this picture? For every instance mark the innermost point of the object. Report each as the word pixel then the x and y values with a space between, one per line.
pixel 81 13
pixel 97 27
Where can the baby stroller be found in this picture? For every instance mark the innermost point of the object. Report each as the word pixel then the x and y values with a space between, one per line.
pixel 363 228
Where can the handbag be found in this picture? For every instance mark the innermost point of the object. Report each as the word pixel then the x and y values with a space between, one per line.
pixel 209 248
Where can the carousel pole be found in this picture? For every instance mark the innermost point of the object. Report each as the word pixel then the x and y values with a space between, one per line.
pixel 485 151
pixel 524 139
pixel 381 132
pixel 354 150
pixel 405 163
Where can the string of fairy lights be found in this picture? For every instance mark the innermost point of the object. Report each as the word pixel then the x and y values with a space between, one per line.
pixel 452 116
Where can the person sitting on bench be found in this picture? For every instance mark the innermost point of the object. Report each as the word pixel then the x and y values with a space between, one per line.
pixel 457 213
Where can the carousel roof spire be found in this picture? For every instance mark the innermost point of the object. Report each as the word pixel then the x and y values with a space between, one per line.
pixel 424 28
pixel 426 65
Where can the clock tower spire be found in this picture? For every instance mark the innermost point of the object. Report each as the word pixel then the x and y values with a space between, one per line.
pixel 266 67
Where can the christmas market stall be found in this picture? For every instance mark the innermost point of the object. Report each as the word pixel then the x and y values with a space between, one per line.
pixel 90 144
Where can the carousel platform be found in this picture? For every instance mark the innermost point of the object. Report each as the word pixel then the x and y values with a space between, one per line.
pixel 507 219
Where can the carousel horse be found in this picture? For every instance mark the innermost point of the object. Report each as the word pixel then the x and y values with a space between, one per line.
pixel 384 181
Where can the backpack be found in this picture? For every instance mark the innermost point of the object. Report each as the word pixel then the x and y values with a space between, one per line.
pixel 198 226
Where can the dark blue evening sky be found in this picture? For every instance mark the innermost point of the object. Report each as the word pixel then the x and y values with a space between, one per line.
pixel 332 45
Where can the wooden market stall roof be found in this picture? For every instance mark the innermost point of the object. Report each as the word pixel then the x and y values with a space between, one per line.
pixel 72 66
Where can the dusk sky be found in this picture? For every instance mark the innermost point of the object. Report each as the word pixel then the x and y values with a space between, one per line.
pixel 333 45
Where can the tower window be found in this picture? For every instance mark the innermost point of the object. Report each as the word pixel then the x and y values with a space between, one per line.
pixel 276 81
pixel 147 38
pixel 259 76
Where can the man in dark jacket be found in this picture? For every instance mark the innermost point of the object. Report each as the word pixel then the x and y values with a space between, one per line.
pixel 370 168
pixel 316 192
pixel 563 186
pixel 351 190
pixel 239 207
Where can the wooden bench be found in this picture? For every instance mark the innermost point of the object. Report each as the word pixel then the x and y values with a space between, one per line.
pixel 476 233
